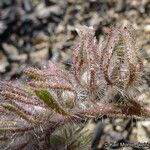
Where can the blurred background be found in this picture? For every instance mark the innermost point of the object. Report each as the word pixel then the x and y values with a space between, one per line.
pixel 34 31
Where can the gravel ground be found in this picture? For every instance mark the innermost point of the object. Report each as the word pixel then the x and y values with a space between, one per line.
pixel 34 31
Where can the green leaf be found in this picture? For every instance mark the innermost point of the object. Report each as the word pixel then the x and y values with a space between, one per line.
pixel 18 111
pixel 48 99
pixel 33 73
pixel 71 136
pixel 27 89
pixel 9 107
pixel 57 140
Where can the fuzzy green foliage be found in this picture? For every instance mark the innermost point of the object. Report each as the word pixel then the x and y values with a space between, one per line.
pixel 47 98
pixel 72 136
pixel 103 80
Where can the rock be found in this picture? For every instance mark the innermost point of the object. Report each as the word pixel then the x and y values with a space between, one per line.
pixel 3 66
pixel 143 131
pixel 43 12
pixel 121 6
pixel 3 63
pixel 39 56
pixel 56 57
pixel 10 49
pixel 27 5
pixel 2 27
pixel 19 58
pixel 147 28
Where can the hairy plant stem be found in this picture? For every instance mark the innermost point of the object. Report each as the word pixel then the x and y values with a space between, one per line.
pixel 100 110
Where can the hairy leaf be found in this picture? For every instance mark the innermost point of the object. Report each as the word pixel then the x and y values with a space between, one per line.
pixel 48 99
